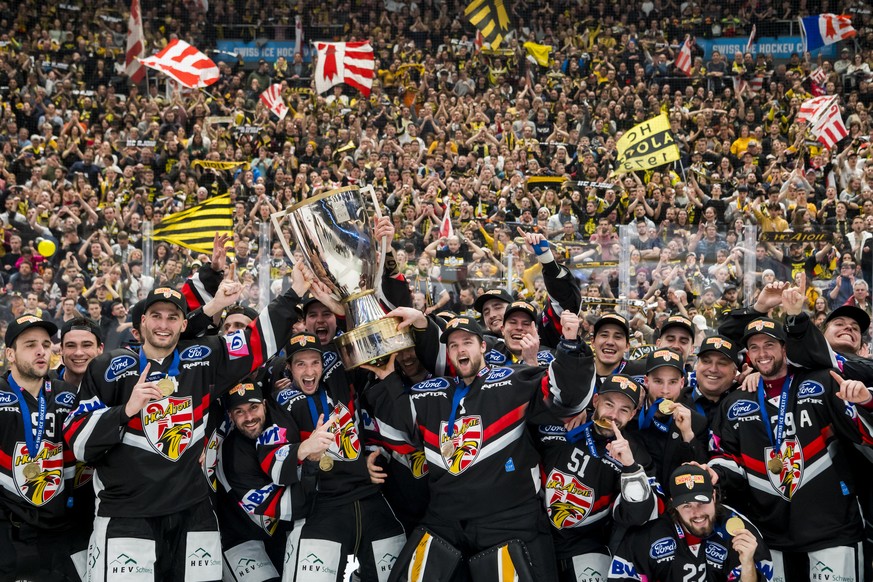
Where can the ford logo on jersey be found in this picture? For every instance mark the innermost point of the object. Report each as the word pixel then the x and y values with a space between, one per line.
pixel 117 366
pixel 195 353
pixel 328 359
pixel 285 395
pixel 809 389
pixel 432 384
pixel 495 357
pixel 742 408
pixel 553 430
pixel 545 357
pixel 716 552
pixel 66 399
pixel 8 399
pixel 498 374
pixel 663 548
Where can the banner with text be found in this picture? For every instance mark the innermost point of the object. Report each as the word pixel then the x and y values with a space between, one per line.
pixel 252 52
pixel 780 47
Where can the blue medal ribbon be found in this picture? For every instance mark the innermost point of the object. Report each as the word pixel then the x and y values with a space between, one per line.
pixel 647 418
pixel 695 396
pixel 174 365
pixel 32 441
pixel 461 391
pixel 584 430
pixel 313 410
pixel 775 441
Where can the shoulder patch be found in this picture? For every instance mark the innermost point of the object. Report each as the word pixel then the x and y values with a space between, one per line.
pixel 552 430
pixel 662 548
pixel 716 552
pixel 809 389
pixel 431 384
pixel 65 399
pixel 545 357
pixel 495 357
pixel 742 408
pixel 8 399
pixel 286 395
pixel 498 374
pixel 328 359
pixel 117 366
pixel 195 353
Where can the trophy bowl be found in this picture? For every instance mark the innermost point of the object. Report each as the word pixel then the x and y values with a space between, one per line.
pixel 334 231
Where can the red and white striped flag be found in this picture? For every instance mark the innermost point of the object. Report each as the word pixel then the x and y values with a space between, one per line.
pixel 272 98
pixel 352 63
pixel 811 108
pixel 819 76
pixel 135 45
pixel 683 60
pixel 751 41
pixel 829 128
pixel 185 64
pixel 446 229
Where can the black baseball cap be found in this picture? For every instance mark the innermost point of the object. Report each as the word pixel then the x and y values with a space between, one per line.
pixel 81 324
pixel 499 294
pixel 851 312
pixel 721 344
pixel 679 321
pixel 463 323
pixel 247 311
pixel 302 342
pixel 244 393
pixel 622 385
pixel 166 295
pixel 766 326
pixel 522 306
pixel 24 322
pixel 689 484
pixel 308 300
pixel 664 357
pixel 614 319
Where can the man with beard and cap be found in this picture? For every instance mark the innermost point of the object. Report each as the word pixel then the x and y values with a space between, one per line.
pixel 697 539
pixel 784 449
pixel 595 479
pixel 345 493
pixel 671 432
pixel 35 487
pixel 492 304
pixel 258 511
pixel 472 430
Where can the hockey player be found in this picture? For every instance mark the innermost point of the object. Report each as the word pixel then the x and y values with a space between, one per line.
pixel 140 420
pixel 698 539
pixel 484 502
pixel 35 465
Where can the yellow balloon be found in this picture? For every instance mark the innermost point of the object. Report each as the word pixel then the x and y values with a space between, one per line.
pixel 46 248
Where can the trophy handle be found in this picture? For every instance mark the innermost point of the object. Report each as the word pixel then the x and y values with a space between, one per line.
pixel 384 241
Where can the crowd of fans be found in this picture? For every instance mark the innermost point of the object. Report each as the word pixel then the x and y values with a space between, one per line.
pixel 87 158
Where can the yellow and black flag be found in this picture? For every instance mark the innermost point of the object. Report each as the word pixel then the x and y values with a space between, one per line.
pixel 647 145
pixel 491 18
pixel 195 227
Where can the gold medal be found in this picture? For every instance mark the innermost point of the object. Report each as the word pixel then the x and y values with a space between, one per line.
pixel 602 423
pixel 448 449
pixel 734 525
pixel 166 386
pixel 666 407
pixel 325 463
pixel 774 465
pixel 31 471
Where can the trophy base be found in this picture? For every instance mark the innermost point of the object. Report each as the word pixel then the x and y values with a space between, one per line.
pixel 372 342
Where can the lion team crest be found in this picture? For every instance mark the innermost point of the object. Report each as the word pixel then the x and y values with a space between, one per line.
pixel 42 488
pixel 466 441
pixel 790 477
pixel 168 425
pixel 568 501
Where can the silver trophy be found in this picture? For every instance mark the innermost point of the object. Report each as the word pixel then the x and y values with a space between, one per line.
pixel 334 232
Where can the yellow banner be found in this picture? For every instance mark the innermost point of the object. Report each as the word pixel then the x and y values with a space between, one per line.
pixel 647 145
pixel 220 165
